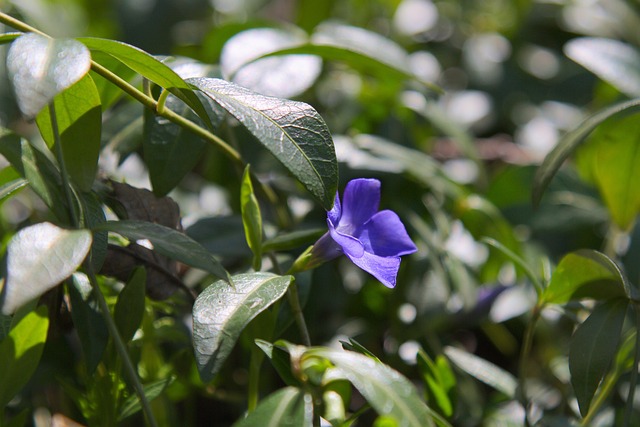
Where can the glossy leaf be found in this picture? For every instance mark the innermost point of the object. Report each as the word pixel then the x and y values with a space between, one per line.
pixel 20 352
pixel 40 68
pixel 88 321
pixel 221 312
pixel 79 119
pixel 129 307
pixel 483 370
pixel 586 274
pixel 287 407
pixel 292 131
pixel 613 61
pixel 251 218
pixel 593 346
pixel 168 242
pixel 39 257
pixel 152 390
pixel 569 142
pixel 386 390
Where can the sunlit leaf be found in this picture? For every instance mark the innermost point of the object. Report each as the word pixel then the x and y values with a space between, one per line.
pixel 40 68
pixel 385 389
pixel 251 218
pixel 615 62
pixel 221 312
pixel 39 257
pixel 292 131
pixel 20 352
pixel 440 381
pixel 10 182
pixel 79 120
pixel 593 346
pixel 288 407
pixel 9 37
pixel 129 307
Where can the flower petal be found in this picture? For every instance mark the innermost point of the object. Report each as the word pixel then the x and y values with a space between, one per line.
pixel 350 245
pixel 385 269
pixel 336 211
pixel 385 235
pixel 360 202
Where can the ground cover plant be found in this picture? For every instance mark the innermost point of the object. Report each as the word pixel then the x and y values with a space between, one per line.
pixel 302 213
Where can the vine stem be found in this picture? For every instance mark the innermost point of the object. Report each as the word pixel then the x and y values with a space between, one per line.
pixel 628 413
pixel 522 369
pixel 294 301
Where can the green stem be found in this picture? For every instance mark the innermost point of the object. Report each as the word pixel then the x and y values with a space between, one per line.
pixel 294 301
pixel 628 413
pixel 63 169
pixel 19 25
pixel 605 391
pixel 120 347
pixel 522 370
pixel 257 357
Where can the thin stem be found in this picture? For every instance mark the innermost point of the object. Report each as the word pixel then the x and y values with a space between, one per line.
pixel 19 25
pixel 257 357
pixel 628 413
pixel 120 346
pixel 605 391
pixel 522 370
pixel 294 301
pixel 63 169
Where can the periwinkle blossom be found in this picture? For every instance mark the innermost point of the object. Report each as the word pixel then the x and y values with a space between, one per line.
pixel 373 240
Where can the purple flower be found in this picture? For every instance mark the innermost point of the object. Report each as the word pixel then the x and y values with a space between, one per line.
pixel 372 240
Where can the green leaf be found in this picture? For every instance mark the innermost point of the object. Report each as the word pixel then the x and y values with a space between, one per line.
pixel 79 118
pixel 39 257
pixel 152 390
pixel 292 240
pixel 386 390
pixel 586 274
pixel 9 37
pixel 483 370
pixel 88 321
pixel 20 352
pixel 292 131
pixel 221 312
pixel 280 360
pixel 41 67
pixel 251 218
pixel 440 381
pixel 168 242
pixel 109 93
pixel 613 61
pixel 593 346
pixel 150 68
pixel 287 407
pixel 569 142
pixel 610 157
pixel 129 307
pixel 10 182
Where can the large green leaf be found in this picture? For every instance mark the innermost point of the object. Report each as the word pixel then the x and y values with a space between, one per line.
pixel 386 390
pixel 251 218
pixel 38 258
pixel 149 67
pixel 20 352
pixel 292 131
pixel 129 308
pixel 613 61
pixel 168 242
pixel 586 274
pixel 41 67
pixel 221 312
pixel 569 142
pixel 288 407
pixel 79 120
pixel 593 346
pixel 610 157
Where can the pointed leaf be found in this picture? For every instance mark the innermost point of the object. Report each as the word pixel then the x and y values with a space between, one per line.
pixel 288 407
pixel 40 68
pixel 593 346
pixel 129 307
pixel 292 240
pixel 39 257
pixel 251 218
pixel 221 313
pixel 569 142
pixel 20 352
pixel 168 242
pixel 79 118
pixel 152 390
pixel 280 360
pixel 613 61
pixel 292 131
pixel 386 390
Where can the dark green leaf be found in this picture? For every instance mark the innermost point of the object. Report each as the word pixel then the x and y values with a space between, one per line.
pixel 292 240
pixel 222 235
pixel 613 61
pixel 151 391
pixel 129 307
pixel 386 390
pixel 79 118
pixel 251 218
pixel 92 215
pixel 354 345
pixel 292 131
pixel 20 352
pixel 288 407
pixel 41 67
pixel 221 312
pixel 569 142
pixel 280 360
pixel 40 257
pixel 10 182
pixel 168 242
pixel 88 321
pixel 593 346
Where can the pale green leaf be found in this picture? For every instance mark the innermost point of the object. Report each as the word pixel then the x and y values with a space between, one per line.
pixel 251 218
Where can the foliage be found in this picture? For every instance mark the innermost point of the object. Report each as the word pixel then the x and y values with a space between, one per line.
pixel 172 230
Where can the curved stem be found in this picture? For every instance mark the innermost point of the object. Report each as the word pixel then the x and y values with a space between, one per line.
pixel 63 169
pixel 294 301
pixel 522 369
